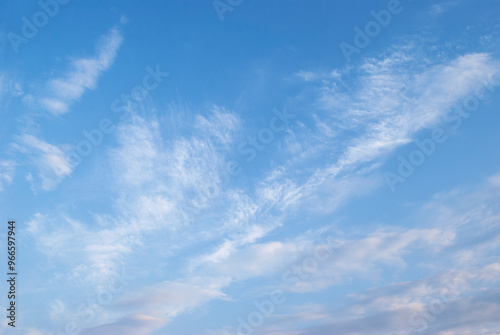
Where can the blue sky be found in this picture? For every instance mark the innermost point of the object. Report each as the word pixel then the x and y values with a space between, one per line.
pixel 252 167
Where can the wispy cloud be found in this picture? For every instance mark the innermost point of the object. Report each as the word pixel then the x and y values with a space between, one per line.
pixel 220 124
pixel 129 325
pixel 405 308
pixel 7 170
pixel 391 99
pixel 465 221
pixel 170 299
pixel 440 8
pixel 83 75
pixel 50 160
pixel 155 183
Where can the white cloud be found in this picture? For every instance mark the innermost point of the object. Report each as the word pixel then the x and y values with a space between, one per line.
pixel 153 182
pixel 7 170
pixel 314 76
pixel 128 325
pixel 255 260
pixel 440 8
pixel 392 98
pixel 396 105
pixel 83 75
pixel 403 308
pixel 159 304
pixel 462 220
pixel 55 106
pixel 17 90
pixel 346 257
pixel 51 161
pixel 220 124
pixel 169 299
pixel 365 256
pixel 472 214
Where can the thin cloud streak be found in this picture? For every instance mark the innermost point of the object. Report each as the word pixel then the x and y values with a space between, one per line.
pixel 83 75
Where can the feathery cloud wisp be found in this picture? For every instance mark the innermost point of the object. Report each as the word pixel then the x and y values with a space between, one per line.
pixel 83 75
